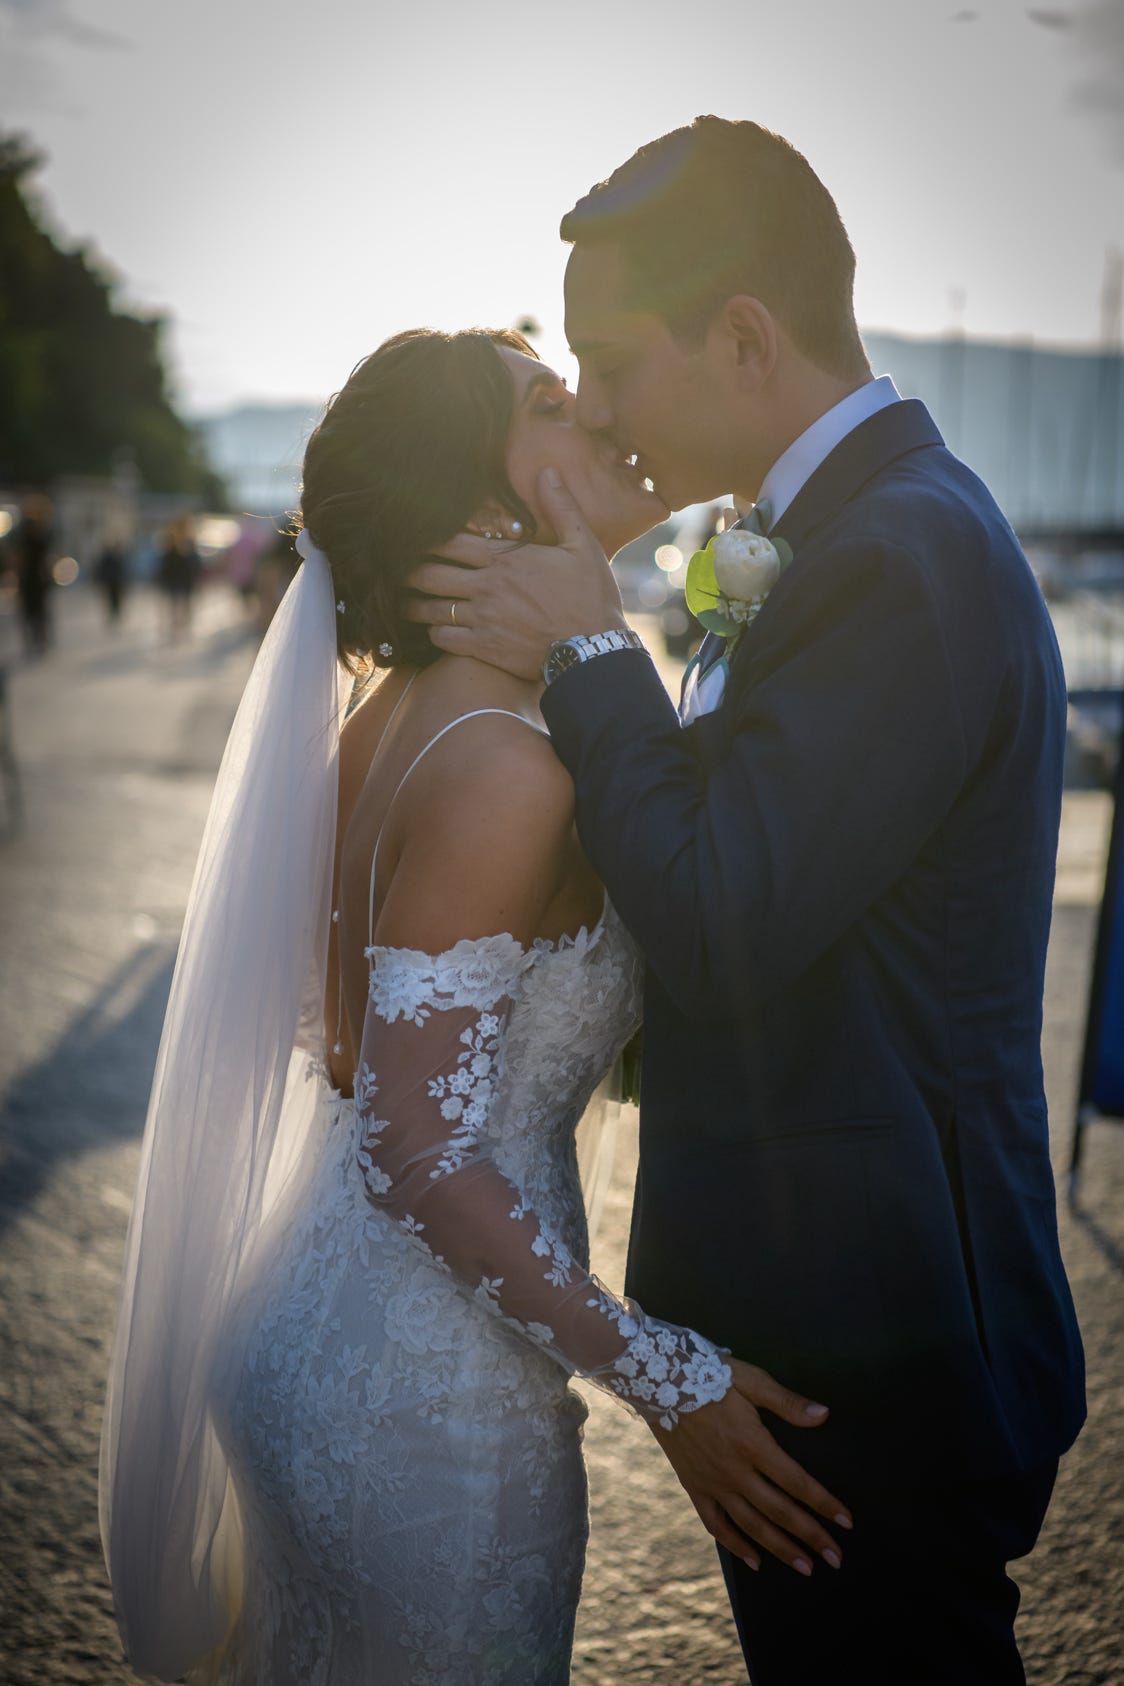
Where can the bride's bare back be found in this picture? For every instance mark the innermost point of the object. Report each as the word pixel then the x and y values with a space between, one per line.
pixel 481 831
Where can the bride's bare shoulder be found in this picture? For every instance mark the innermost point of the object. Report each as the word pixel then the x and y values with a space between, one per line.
pixel 481 837
pixel 499 742
pixel 502 762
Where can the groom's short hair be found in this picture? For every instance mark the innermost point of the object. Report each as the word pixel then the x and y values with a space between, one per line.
pixel 720 208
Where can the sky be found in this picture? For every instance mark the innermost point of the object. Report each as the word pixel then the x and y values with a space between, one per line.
pixel 291 182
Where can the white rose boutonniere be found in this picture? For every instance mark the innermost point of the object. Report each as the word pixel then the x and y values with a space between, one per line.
pixel 728 582
pixel 746 565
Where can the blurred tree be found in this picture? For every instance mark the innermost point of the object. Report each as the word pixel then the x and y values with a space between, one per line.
pixel 81 384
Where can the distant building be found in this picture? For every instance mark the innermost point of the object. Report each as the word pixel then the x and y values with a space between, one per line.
pixel 258 450
pixel 1043 428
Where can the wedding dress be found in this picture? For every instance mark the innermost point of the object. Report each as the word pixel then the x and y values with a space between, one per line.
pixel 391 1388
pixel 338 1447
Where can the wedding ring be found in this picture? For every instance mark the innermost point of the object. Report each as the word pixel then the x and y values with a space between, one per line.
pixel 453 613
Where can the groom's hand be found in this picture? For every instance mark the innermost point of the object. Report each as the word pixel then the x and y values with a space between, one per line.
pixel 512 601
pixel 744 1487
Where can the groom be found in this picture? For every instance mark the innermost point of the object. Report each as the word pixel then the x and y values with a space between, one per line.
pixel 840 870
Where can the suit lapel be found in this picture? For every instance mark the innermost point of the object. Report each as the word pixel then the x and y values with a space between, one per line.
pixel 872 446
pixel 877 442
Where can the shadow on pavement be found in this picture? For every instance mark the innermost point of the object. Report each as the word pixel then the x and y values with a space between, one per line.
pixel 1106 1244
pixel 91 1088
pixel 196 656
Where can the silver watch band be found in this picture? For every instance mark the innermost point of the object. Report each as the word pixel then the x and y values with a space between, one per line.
pixel 571 652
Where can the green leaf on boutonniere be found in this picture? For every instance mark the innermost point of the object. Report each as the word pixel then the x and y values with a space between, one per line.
pixel 701 585
pixel 704 599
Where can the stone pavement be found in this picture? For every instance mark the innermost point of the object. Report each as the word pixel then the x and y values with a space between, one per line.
pixel 119 737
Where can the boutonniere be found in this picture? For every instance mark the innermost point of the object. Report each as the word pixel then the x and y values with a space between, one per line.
pixel 728 582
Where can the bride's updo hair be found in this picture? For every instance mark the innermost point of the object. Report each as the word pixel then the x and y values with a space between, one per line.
pixel 405 455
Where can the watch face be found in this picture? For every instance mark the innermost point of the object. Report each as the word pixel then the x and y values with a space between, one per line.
pixel 571 652
pixel 562 657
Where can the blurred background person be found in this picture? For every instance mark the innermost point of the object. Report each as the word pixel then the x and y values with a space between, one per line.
pixel 241 561
pixel 275 568
pixel 30 546
pixel 111 575
pixel 177 574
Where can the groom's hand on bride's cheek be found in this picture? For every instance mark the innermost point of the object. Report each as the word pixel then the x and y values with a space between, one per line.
pixel 507 603
pixel 747 1491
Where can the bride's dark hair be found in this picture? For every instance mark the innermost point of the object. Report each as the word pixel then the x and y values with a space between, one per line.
pixel 404 456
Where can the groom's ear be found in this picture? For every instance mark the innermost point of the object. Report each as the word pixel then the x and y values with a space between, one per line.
pixel 749 331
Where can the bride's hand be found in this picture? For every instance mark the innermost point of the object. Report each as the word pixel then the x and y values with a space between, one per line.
pixel 744 1487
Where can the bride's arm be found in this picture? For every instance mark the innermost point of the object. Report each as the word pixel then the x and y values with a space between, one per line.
pixel 482 854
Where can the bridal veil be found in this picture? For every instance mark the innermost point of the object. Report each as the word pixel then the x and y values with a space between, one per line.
pixel 228 1114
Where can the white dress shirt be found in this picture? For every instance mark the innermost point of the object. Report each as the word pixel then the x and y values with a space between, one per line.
pixel 792 471
pixel 781 486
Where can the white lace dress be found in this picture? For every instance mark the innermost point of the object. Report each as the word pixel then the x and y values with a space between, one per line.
pixel 393 1393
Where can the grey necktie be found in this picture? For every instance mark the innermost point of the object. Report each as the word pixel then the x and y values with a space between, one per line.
pixel 759 519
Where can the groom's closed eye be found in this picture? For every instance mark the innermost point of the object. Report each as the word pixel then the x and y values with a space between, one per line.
pixel 600 363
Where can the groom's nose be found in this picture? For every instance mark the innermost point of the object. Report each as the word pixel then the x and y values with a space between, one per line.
pixel 593 410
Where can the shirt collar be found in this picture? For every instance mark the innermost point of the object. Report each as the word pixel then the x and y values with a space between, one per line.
pixel 796 466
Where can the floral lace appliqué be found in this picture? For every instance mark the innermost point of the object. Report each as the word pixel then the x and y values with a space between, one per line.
pixel 434 1054
pixel 404 983
pixel 466 1094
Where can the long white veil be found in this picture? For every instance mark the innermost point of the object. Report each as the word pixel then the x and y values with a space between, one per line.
pixel 218 1143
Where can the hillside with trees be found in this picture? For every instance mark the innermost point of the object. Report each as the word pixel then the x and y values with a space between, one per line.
pixel 82 383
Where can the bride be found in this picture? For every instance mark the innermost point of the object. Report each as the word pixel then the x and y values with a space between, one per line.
pixel 339 1444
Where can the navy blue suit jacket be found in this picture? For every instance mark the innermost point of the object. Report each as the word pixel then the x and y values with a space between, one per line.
pixel 842 882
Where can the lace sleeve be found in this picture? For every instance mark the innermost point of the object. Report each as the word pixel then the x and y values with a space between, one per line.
pixel 431 1061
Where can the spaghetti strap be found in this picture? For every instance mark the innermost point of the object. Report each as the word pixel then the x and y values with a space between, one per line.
pixel 475 714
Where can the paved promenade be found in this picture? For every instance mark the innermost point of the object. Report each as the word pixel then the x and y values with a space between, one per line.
pixel 119 738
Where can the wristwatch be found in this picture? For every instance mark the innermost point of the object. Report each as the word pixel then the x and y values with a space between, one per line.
pixel 566 653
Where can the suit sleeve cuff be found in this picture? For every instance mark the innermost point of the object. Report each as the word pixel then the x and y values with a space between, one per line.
pixel 616 687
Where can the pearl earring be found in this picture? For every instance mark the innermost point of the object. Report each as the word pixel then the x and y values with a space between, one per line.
pixel 516 529
pixel 386 650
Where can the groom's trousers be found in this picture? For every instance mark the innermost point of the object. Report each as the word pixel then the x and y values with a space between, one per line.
pixel 923 1597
